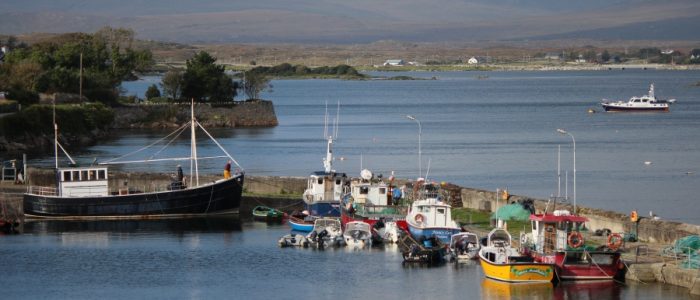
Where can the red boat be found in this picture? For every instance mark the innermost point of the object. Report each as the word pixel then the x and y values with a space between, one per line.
pixel 373 201
pixel 558 238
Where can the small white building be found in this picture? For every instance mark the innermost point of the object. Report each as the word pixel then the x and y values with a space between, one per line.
pixel 394 62
pixel 473 61
pixel 580 59
pixel 552 56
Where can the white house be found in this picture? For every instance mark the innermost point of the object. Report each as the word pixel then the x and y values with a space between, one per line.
pixel 394 62
pixel 580 59
pixel 473 61
pixel 552 56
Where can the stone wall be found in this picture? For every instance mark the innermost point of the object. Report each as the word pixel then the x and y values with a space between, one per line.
pixel 648 230
pixel 154 116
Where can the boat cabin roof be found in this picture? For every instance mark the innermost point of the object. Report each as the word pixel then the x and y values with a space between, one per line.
pixel 548 218
pixel 332 174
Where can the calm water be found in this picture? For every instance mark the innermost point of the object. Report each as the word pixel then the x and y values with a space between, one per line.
pixel 225 258
pixel 491 133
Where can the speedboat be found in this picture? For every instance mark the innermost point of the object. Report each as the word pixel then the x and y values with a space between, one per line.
pixel 464 246
pixel 647 102
pixel 501 261
pixel 326 233
pixel 357 234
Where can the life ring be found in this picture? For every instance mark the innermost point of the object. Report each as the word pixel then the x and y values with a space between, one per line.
pixel 614 241
pixel 419 218
pixel 575 239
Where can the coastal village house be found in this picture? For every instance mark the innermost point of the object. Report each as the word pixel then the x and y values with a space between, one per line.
pixel 552 56
pixel 473 61
pixel 394 62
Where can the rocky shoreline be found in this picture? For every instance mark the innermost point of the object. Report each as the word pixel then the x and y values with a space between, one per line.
pixel 257 113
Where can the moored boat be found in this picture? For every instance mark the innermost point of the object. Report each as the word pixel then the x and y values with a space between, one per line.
pixel 559 239
pixel 84 192
pixel 357 234
pixel 501 261
pixel 326 233
pixel 430 216
pixel 647 102
pixel 293 240
pixel 373 201
pixel 301 221
pixel 464 246
pixel 268 214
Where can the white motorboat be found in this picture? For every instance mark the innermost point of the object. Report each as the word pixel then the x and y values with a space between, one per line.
pixel 647 102
pixel 357 234
pixel 464 246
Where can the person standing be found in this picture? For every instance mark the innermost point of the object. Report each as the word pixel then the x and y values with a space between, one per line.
pixel 227 170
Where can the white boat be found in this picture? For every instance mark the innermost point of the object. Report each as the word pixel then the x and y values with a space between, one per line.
pixel 376 203
pixel 326 233
pixel 293 240
pixel 325 188
pixel 647 102
pixel 464 246
pixel 357 234
pixel 431 217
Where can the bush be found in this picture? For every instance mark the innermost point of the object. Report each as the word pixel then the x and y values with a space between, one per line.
pixel 152 92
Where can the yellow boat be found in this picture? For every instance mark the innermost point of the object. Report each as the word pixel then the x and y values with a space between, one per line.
pixel 501 261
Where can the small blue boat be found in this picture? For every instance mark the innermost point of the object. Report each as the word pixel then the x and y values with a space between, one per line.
pixel 301 222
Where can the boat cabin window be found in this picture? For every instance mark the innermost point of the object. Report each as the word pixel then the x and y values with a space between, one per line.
pixel 83 175
pixel 364 190
pixel 92 175
pixel 337 182
pixel 424 209
pixel 320 180
pixel 563 225
pixel 441 211
pixel 66 176
pixel 534 226
pixel 76 176
pixel 636 100
pixel 382 191
pixel 101 174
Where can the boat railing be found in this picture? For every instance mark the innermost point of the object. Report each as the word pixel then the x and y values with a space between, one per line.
pixel 382 210
pixel 42 190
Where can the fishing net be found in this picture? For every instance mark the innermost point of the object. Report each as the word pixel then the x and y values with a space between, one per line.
pixel 689 246
pixel 513 211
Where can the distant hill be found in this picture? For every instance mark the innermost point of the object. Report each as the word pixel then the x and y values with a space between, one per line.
pixel 359 21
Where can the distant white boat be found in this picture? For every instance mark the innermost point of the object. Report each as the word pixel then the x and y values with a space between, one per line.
pixel 647 102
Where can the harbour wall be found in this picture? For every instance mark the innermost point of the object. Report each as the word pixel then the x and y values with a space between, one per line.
pixel 648 230
pixel 666 272
pixel 288 189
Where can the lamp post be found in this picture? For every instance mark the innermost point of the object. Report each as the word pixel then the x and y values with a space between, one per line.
pixel 562 131
pixel 420 131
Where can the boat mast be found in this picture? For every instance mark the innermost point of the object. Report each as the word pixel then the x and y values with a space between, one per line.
pixel 193 149
pixel 55 135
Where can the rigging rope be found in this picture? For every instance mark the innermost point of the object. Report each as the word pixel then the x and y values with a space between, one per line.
pixel 148 146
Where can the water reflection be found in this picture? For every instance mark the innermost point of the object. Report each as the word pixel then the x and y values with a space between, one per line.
pixel 587 290
pixel 173 226
pixel 493 289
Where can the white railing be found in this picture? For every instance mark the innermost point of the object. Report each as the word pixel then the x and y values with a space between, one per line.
pixel 42 190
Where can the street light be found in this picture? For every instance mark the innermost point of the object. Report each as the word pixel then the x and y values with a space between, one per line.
pixel 420 131
pixel 562 131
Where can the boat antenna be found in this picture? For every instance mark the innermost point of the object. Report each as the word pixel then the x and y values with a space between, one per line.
pixel 651 90
pixel 427 172
pixel 193 145
pixel 337 120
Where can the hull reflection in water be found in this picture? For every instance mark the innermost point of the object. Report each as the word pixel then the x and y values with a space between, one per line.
pixel 226 223
pixel 587 290
pixel 494 289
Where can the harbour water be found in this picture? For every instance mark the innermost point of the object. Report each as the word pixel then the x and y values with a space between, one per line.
pixel 230 258
pixel 497 132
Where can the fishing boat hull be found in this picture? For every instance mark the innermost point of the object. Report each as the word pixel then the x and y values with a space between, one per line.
pixel 442 233
pixel 324 209
pixel 517 272
pixel 595 265
pixel 267 214
pixel 300 225
pixel 222 196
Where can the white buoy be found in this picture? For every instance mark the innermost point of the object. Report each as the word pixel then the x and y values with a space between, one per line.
pixel 647 163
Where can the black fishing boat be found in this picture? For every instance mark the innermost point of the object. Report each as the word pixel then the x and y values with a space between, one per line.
pixel 84 192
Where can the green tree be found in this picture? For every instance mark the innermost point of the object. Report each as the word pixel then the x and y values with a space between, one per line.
pixel 152 92
pixel 206 81
pixel 172 84
pixel 255 83
pixel 605 57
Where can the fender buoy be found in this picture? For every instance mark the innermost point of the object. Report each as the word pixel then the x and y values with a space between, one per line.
pixel 575 239
pixel 419 218
pixel 614 241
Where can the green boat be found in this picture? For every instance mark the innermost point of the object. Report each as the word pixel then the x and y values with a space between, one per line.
pixel 264 213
